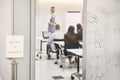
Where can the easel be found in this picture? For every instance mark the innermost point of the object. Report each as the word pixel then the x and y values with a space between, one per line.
pixel 14 65
pixel 14 50
pixel 14 69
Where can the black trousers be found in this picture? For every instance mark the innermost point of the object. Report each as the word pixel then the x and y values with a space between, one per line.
pixel 57 48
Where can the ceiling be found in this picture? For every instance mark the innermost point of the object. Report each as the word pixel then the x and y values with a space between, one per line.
pixel 61 1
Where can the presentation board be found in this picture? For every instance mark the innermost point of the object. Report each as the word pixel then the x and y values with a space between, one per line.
pixel 14 46
pixel 72 18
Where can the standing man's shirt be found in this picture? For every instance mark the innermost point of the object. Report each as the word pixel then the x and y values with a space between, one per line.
pixel 51 26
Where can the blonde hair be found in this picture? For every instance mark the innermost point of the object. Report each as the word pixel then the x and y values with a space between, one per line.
pixel 57 26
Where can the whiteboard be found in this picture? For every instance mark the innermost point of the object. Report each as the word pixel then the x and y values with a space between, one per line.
pixel 72 18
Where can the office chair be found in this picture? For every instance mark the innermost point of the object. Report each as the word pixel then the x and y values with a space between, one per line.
pixel 57 49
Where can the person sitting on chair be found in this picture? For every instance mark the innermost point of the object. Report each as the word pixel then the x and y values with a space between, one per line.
pixel 79 32
pixel 71 42
pixel 58 35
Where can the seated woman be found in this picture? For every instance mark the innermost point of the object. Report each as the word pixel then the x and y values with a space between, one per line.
pixel 79 32
pixel 71 42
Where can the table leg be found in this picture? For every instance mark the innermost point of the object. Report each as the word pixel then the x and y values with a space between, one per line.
pixel 78 65
pixel 78 68
pixel 40 49
pixel 76 73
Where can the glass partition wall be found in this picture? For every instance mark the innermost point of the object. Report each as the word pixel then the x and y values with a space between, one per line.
pixel 55 17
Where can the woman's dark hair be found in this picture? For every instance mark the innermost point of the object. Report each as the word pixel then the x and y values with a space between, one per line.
pixel 71 30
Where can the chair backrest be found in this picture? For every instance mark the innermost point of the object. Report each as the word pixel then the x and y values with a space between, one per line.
pixel 58 40
pixel 46 34
pixel 57 46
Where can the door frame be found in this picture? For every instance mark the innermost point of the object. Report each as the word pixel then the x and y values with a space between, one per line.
pixel 33 37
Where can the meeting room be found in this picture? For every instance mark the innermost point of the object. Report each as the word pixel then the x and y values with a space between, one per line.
pixel 59 38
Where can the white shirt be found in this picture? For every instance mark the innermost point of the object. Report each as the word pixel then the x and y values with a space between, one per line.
pixel 56 35
pixel 54 15
pixel 49 16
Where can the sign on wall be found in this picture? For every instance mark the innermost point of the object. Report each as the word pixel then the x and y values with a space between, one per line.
pixel 14 46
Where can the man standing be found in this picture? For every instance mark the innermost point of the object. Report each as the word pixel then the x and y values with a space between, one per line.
pixel 51 23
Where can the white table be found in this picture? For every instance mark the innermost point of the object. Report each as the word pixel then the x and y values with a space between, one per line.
pixel 79 54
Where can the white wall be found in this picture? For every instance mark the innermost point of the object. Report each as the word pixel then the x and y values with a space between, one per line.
pixel 5 29
pixel 103 40
pixel 61 7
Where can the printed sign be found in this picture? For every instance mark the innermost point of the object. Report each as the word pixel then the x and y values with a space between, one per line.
pixel 15 46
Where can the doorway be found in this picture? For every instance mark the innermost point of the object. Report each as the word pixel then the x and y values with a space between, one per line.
pixel 67 13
